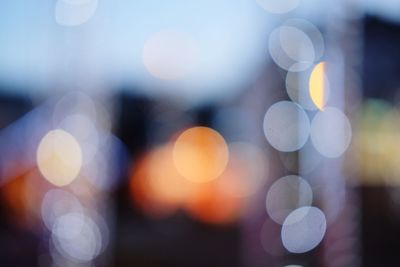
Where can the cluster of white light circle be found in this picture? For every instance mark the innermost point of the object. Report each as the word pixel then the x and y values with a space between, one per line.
pixel 297 46
pixel 287 128
pixel 288 203
pixel 75 155
pixel 303 229
pixel 77 237
pixel 79 143
pixel 287 194
pixel 75 234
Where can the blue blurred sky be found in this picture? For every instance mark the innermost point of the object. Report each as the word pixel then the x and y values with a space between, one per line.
pixel 231 35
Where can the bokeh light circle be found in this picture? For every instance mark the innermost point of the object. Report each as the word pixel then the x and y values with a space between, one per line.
pixel 312 32
pixel 211 204
pixel 59 157
pixel 287 194
pixel 163 178
pixel 200 154
pixel 331 132
pixel 296 45
pixel 291 48
pixel 57 202
pixel 76 236
pixel 286 126
pixel 303 229
pixel 156 185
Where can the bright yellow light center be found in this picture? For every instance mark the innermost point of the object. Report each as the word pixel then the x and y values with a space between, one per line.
pixel 318 86
pixel 59 157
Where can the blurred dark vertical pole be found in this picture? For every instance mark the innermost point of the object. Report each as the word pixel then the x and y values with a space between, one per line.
pixel 341 246
pixel 256 100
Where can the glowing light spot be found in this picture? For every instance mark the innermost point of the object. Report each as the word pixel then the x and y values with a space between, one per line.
pixel 74 12
pixel 211 204
pixel 169 55
pixel 296 45
pixel 56 203
pixel 200 154
pixel 278 7
pixel 303 229
pixel 312 33
pixel 291 48
pixel 159 190
pixel 143 196
pixel 319 86
pixel 21 198
pixel 331 132
pixel 59 157
pixel 156 185
pixel 77 237
pixel 296 51
pixel 287 194
pixel 165 180
pixel 286 126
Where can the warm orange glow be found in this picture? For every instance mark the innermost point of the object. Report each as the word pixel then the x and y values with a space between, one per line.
pixel 21 197
pixel 156 185
pixel 222 200
pixel 212 205
pixel 59 157
pixel 165 180
pixel 200 154
pixel 15 200
pixel 159 190
pixel 318 86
